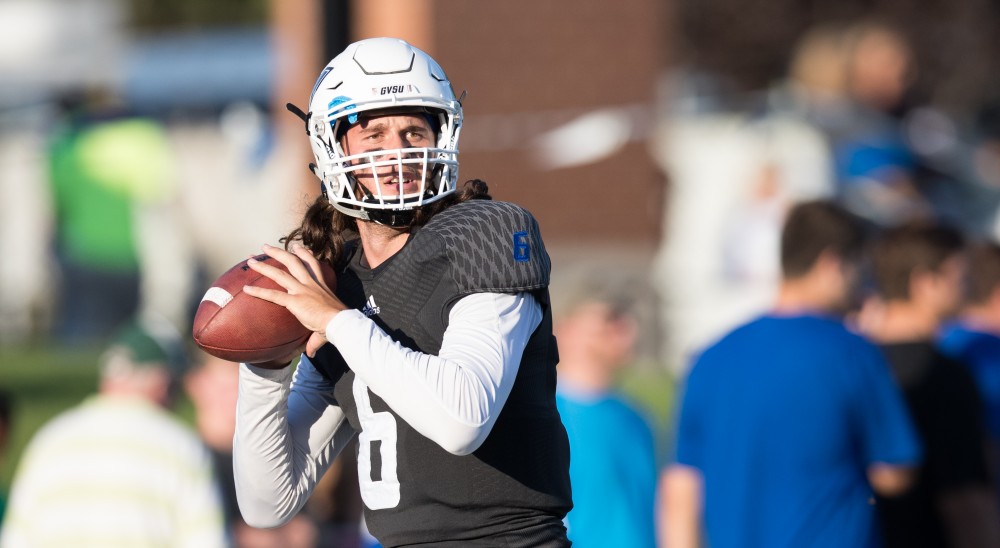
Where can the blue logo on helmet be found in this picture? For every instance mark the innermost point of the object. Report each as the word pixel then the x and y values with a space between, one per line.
pixel 340 99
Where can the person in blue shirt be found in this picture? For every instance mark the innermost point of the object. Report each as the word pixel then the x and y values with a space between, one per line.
pixel 789 422
pixel 613 465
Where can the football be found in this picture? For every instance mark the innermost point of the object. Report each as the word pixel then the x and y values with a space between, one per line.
pixel 234 326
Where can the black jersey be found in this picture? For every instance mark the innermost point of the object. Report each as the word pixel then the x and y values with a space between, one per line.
pixel 514 489
pixel 944 403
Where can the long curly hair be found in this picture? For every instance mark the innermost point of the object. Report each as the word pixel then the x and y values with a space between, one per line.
pixel 325 231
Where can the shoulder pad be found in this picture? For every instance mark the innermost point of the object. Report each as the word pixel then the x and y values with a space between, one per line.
pixel 493 246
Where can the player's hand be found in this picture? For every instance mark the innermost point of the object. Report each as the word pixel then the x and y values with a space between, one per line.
pixel 306 294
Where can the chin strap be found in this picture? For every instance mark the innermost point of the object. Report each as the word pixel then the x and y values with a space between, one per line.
pixel 388 217
pixel 395 218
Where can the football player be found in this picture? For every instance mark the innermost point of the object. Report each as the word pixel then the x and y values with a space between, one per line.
pixel 436 348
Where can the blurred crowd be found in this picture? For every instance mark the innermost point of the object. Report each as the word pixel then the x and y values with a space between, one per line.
pixel 122 469
pixel 138 214
pixel 841 124
pixel 789 432
pixel 112 213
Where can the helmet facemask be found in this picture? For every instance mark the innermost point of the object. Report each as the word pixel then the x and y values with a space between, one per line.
pixel 387 182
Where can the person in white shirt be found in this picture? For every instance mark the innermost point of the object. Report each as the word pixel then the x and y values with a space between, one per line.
pixel 119 470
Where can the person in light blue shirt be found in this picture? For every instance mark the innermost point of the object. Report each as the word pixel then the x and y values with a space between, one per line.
pixel 612 464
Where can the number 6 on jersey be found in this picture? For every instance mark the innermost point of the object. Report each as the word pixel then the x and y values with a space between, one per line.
pixel 378 430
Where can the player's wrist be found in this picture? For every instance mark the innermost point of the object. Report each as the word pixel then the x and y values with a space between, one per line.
pixel 339 322
pixel 329 322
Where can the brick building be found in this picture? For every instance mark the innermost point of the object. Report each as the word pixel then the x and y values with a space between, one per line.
pixel 530 67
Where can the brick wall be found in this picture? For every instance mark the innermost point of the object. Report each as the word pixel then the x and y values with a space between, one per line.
pixel 532 65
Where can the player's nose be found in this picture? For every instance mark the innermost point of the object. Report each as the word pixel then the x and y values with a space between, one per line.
pixel 396 140
pixel 391 147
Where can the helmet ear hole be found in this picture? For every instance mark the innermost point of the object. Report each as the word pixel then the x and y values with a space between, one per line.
pixel 318 127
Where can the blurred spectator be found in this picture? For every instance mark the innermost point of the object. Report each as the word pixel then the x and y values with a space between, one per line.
pixel 849 82
pixel 815 88
pixel 784 419
pixel 876 167
pixel 973 338
pixel 613 468
pixel 918 271
pixel 111 177
pixel 119 470
pixel 212 387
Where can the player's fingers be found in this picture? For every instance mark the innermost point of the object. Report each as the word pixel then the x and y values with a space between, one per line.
pixel 311 262
pixel 292 262
pixel 281 277
pixel 273 295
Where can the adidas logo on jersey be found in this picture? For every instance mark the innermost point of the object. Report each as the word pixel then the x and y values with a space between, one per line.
pixel 370 308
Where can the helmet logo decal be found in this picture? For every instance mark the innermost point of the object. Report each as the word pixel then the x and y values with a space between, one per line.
pixel 522 247
pixel 318 81
pixel 339 100
pixel 385 90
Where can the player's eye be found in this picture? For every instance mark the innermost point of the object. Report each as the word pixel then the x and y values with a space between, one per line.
pixel 416 135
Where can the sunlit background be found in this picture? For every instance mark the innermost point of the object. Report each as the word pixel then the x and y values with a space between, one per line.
pixel 657 142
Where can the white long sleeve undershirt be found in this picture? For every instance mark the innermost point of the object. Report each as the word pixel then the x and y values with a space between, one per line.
pixel 454 398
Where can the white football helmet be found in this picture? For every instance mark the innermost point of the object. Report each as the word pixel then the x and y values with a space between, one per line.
pixel 383 74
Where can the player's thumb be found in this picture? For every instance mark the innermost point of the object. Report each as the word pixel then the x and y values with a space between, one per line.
pixel 316 340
